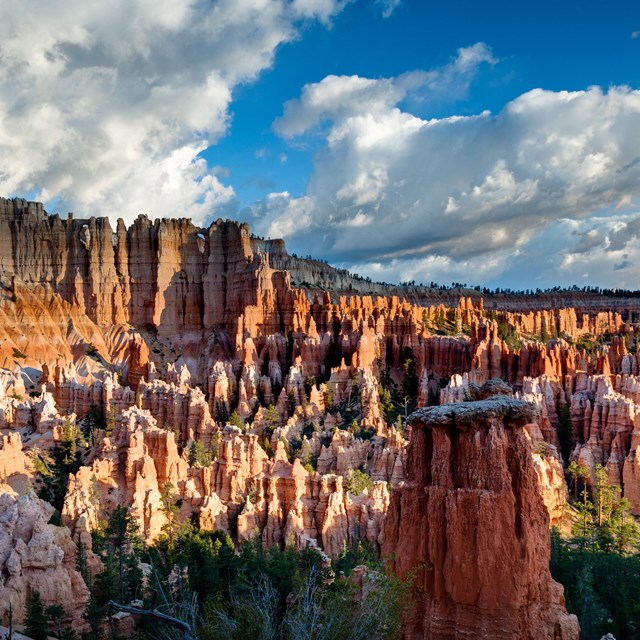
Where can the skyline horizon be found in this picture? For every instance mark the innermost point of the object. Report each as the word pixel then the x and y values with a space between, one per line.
pixel 424 284
pixel 396 140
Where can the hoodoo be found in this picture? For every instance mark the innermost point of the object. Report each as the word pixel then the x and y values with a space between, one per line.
pixel 199 385
pixel 470 524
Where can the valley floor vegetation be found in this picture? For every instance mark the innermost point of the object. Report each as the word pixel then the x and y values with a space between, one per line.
pixel 597 558
pixel 224 593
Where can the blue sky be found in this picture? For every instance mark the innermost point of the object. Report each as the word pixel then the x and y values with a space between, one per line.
pixel 552 45
pixel 492 143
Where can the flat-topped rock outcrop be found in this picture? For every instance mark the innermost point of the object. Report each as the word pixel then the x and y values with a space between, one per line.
pixel 470 523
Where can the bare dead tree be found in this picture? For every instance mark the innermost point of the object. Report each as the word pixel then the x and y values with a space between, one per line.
pixel 188 630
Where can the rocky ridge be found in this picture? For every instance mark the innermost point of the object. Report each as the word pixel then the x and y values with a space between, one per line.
pixel 165 330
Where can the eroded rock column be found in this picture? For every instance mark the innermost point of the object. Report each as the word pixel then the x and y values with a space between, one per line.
pixel 470 525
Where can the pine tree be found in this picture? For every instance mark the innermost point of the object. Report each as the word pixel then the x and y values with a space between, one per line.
pixel 222 413
pixel 544 334
pixel 584 524
pixel 577 472
pixel 216 444
pixel 55 612
pixel 272 417
pixel 35 622
pixel 122 539
pixel 625 527
pixel 170 510
pixel 110 420
pixel 81 560
pixel 410 378
pixel 291 403
pixel 236 421
pixel 605 494
pixel 357 481
pixel 199 455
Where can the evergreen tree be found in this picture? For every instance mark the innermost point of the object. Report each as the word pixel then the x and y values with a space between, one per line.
pixel 577 472
pixel 216 444
pixel 110 420
pixel 329 394
pixel 81 560
pixel 222 413
pixel 118 545
pixel 272 417
pixel 291 403
pixel 237 421
pixel 544 334
pixel 35 622
pixel 93 421
pixel 67 459
pixel 122 544
pixel 583 527
pixel 55 613
pixel 623 528
pixel 591 611
pixel 410 379
pixel 357 481
pixel 170 509
pixel 605 494
pixel 198 455
pixel 600 566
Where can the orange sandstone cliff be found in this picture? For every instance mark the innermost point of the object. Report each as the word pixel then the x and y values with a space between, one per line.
pixel 165 329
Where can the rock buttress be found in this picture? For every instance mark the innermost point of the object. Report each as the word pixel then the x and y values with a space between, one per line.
pixel 471 527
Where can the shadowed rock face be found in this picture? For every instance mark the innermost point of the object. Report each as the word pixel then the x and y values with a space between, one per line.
pixel 471 526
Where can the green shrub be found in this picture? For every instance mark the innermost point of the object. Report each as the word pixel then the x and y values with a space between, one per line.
pixel 357 481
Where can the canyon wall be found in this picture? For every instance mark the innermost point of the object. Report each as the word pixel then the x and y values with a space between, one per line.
pixel 289 375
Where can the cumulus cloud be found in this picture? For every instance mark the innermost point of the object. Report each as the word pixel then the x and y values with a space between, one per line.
pixel 463 190
pixel 106 106
pixel 322 10
pixel 550 258
pixel 339 98
pixel 287 214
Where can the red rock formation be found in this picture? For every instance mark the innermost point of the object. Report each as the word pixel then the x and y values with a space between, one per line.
pixel 469 502
pixel 37 555
pixel 16 468
pixel 202 322
pixel 549 475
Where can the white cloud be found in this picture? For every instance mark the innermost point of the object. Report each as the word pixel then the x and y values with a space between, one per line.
pixel 462 190
pixel 388 6
pixel 279 215
pixel 322 10
pixel 107 105
pixel 551 257
pixel 338 98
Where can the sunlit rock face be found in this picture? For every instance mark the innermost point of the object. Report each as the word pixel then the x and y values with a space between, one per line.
pixel 167 329
pixel 35 555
